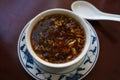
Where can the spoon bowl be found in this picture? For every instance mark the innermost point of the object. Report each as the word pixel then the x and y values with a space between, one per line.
pixel 88 11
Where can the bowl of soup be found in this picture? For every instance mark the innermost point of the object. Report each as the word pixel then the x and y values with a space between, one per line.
pixel 58 40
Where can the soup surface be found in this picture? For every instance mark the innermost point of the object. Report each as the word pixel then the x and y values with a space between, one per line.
pixel 58 38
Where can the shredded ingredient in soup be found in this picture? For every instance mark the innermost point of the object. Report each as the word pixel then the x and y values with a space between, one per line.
pixel 58 38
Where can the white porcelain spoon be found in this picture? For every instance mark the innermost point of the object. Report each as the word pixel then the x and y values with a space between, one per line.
pixel 88 11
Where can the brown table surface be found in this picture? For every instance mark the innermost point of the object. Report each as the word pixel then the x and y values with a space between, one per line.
pixel 14 14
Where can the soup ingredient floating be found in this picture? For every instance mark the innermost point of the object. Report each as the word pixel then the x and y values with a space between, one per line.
pixel 58 38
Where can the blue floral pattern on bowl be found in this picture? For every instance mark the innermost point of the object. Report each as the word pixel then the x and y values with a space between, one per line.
pixel 32 68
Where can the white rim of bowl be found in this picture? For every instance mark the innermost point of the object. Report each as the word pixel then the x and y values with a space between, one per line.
pixel 56 65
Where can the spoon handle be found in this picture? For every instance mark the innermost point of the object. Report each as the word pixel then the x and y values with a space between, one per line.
pixel 113 17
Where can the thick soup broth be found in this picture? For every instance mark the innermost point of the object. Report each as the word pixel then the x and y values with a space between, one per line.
pixel 57 38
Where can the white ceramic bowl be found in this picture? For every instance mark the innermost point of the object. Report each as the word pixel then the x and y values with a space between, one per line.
pixel 61 67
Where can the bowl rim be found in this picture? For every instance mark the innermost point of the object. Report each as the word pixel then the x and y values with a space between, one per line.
pixel 54 11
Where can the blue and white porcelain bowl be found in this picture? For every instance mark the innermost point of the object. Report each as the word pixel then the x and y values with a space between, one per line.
pixel 60 68
pixel 38 73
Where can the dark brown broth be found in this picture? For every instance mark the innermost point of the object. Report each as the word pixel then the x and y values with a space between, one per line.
pixel 58 38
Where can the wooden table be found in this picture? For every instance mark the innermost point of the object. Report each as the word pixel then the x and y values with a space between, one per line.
pixel 14 14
